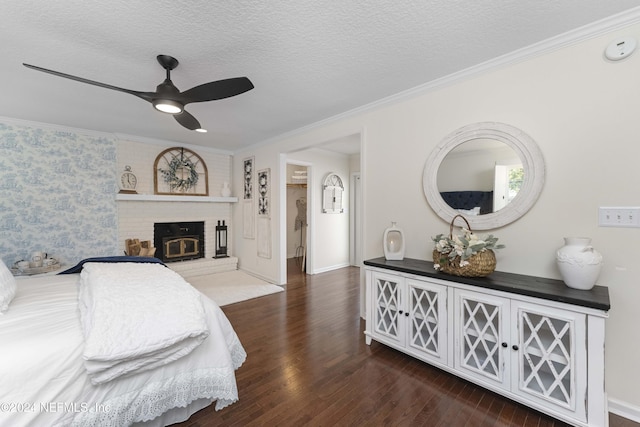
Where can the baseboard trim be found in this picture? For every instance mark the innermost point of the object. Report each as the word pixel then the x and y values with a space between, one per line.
pixel 259 276
pixel 624 409
pixel 330 268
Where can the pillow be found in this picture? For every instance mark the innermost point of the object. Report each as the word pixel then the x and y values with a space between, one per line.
pixel 78 267
pixel 474 211
pixel 7 287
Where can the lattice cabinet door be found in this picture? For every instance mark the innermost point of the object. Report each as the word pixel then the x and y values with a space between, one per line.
pixel 427 319
pixel 551 362
pixel 482 336
pixel 388 315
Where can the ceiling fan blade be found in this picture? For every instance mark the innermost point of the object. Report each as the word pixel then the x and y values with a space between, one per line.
pixel 187 120
pixel 167 98
pixel 147 96
pixel 217 90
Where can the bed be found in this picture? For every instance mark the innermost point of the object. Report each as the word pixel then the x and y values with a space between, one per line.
pixel 53 373
pixel 469 202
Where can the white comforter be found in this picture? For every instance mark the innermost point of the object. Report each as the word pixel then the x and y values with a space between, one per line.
pixel 135 317
pixel 43 380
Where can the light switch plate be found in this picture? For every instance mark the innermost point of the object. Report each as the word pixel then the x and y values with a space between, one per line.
pixel 628 216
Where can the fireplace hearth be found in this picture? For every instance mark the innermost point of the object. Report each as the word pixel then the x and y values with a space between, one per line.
pixel 178 241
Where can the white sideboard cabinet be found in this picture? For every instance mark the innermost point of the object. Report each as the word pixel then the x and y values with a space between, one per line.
pixel 531 339
pixel 411 315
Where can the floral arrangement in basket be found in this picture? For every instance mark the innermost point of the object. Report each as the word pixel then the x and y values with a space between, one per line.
pixel 466 254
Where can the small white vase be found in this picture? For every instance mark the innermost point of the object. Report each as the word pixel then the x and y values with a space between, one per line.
pixel 226 191
pixel 579 263
pixel 393 243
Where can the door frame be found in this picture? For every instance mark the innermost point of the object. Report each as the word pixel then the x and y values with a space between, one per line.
pixel 355 218
pixel 284 161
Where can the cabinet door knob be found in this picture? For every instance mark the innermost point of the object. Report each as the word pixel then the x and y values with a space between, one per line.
pixel 515 347
pixel 400 311
pixel 505 345
pixel 407 314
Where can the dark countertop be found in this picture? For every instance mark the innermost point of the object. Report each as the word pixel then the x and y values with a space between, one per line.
pixel 539 287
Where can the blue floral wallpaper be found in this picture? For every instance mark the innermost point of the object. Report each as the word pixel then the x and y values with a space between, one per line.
pixel 58 194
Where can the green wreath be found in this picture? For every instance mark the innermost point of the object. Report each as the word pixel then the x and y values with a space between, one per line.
pixel 176 182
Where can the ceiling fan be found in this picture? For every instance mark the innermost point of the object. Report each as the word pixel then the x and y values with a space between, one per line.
pixel 167 98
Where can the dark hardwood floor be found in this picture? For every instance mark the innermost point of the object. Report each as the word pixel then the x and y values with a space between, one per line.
pixel 308 365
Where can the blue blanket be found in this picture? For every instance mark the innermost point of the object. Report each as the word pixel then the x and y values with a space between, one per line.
pixel 78 267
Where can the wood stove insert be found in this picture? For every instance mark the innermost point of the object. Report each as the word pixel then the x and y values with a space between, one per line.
pixel 179 241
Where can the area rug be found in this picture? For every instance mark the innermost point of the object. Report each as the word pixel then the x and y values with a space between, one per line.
pixel 230 287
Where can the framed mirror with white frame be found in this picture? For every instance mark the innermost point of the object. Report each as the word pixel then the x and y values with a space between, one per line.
pixel 495 162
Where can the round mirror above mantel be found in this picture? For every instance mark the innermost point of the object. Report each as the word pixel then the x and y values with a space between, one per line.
pixel 497 194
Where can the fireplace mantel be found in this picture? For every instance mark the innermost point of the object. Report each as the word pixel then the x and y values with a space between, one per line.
pixel 157 198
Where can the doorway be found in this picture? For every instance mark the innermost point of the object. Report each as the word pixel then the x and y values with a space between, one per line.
pixel 326 240
pixel 296 212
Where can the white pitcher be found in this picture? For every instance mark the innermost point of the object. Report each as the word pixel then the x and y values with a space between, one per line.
pixel 579 263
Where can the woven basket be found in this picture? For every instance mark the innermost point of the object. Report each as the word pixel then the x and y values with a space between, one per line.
pixel 480 265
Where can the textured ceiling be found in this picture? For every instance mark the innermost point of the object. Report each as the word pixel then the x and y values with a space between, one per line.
pixel 308 59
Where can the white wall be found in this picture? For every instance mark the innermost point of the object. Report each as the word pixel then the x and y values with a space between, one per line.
pixel 354 163
pixel 583 113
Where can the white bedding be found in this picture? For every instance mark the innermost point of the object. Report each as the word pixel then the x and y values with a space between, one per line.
pixel 43 380
pixel 135 317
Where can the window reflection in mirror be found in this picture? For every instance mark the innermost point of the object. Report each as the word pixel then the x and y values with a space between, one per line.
pixel 508 180
pixel 480 176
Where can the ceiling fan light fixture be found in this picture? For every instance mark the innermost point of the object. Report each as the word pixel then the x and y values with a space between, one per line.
pixel 201 130
pixel 167 106
pixel 167 98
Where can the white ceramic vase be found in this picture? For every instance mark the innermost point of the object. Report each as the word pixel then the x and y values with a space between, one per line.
pixel 579 263
pixel 226 191
pixel 393 243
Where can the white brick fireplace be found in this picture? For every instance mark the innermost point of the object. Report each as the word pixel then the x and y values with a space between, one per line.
pixel 137 213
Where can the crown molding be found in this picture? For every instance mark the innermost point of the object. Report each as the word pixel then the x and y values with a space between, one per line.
pixel 573 37
pixel 114 136
pixel 60 128
pixel 164 142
